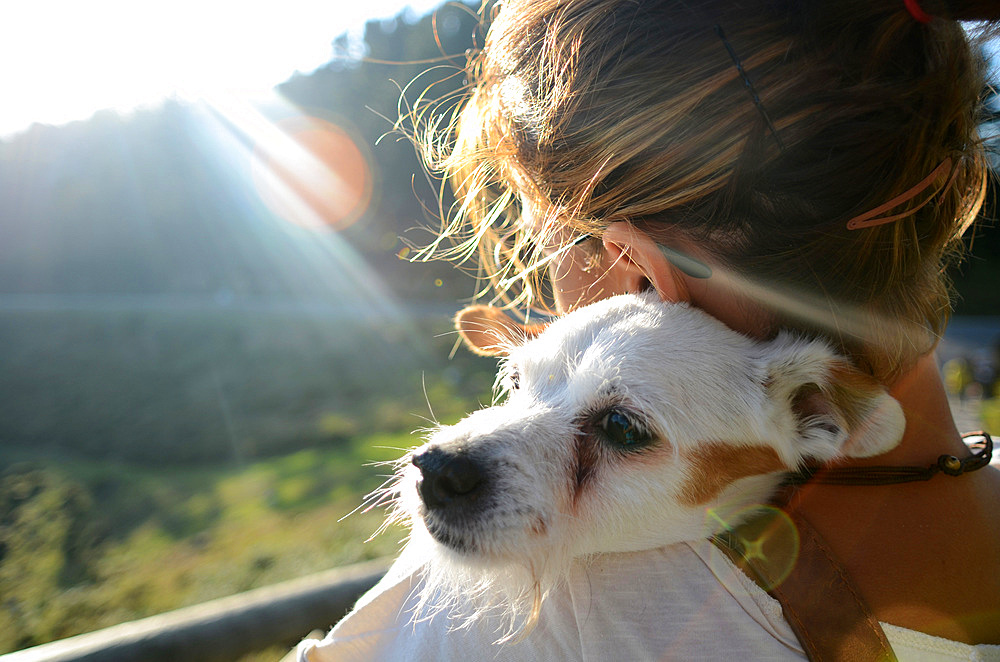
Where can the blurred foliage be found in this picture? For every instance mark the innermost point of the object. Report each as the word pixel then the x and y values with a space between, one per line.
pixel 990 414
pixel 976 277
pixel 209 386
pixel 87 544
pixel 138 485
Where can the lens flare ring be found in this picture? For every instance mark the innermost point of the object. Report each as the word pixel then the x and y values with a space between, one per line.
pixel 766 540
pixel 312 172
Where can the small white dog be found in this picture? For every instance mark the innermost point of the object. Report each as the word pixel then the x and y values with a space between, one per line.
pixel 627 425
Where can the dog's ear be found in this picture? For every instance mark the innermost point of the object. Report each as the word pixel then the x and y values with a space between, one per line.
pixel 487 331
pixel 837 410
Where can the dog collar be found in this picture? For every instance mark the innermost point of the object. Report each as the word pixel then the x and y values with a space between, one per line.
pixel 883 475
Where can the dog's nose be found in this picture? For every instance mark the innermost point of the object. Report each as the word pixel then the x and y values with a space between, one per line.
pixel 449 478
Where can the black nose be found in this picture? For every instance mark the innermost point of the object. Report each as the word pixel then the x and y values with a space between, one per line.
pixel 449 478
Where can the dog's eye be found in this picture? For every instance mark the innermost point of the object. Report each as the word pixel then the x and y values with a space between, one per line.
pixel 621 430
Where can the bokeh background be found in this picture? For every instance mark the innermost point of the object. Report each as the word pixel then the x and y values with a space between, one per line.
pixel 211 330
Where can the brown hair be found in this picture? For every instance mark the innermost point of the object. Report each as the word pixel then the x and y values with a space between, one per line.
pixel 598 111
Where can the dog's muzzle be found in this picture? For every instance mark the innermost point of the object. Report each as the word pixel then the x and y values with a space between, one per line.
pixel 450 480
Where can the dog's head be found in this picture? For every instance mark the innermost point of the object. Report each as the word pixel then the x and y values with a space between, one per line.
pixel 626 425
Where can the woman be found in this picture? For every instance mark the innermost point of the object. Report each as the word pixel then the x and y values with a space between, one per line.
pixel 803 163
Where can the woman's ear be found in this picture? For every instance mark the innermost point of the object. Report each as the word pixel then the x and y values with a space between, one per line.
pixel 638 261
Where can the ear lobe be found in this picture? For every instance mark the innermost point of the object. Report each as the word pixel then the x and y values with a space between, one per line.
pixel 836 409
pixel 638 261
pixel 487 331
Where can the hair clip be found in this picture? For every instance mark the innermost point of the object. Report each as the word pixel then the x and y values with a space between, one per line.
pixel 749 86
pixel 871 218
pixel 686 264
pixel 916 11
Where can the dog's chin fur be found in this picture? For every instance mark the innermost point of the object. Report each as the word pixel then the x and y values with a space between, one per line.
pixel 726 416
pixel 503 590
pixel 498 586
pixel 503 595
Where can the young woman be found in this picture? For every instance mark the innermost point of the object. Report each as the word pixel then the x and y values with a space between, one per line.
pixel 805 164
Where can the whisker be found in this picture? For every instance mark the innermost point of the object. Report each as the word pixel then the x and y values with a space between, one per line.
pixel 427 399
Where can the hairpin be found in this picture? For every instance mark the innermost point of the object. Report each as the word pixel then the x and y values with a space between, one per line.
pixel 871 218
pixel 918 14
pixel 685 263
pixel 749 86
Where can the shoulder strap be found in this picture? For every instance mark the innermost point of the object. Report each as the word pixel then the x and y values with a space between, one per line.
pixel 786 557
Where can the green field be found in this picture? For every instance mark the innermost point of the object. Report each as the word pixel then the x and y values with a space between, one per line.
pixel 88 544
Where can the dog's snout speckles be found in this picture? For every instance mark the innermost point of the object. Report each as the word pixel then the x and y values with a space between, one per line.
pixel 448 478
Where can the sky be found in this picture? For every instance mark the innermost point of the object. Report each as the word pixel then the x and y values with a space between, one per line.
pixel 62 60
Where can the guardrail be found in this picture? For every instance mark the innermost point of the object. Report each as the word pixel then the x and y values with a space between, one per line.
pixel 221 630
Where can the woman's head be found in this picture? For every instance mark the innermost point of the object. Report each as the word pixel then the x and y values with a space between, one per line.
pixel 749 133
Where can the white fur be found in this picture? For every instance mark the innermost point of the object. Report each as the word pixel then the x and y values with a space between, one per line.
pixel 692 380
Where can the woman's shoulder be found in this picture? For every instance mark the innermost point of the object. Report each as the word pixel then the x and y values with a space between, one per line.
pixel 683 598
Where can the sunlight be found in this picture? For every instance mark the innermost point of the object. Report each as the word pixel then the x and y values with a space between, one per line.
pixel 844 321
pixel 311 171
pixel 64 60
pixel 315 181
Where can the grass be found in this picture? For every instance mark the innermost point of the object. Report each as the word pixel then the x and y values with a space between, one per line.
pixel 89 544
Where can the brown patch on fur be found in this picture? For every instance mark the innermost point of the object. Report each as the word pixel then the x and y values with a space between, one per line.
pixel 853 393
pixel 539 527
pixel 715 466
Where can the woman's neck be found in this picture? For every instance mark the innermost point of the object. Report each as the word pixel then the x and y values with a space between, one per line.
pixel 907 547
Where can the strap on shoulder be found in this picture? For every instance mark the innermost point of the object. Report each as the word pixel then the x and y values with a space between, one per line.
pixel 786 557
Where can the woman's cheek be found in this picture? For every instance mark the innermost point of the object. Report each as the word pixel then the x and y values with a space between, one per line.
pixel 577 281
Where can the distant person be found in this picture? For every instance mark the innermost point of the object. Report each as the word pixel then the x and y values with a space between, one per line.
pixel 957 374
pixel 807 165
pixel 984 374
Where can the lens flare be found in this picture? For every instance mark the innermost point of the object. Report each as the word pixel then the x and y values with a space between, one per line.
pixel 319 268
pixel 316 175
pixel 766 537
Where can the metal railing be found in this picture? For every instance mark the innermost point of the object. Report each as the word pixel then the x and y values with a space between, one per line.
pixel 221 630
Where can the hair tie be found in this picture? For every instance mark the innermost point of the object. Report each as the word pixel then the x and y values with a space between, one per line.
pixel 871 218
pixel 918 14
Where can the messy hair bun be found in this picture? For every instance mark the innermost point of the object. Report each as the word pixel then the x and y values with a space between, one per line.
pixel 596 111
